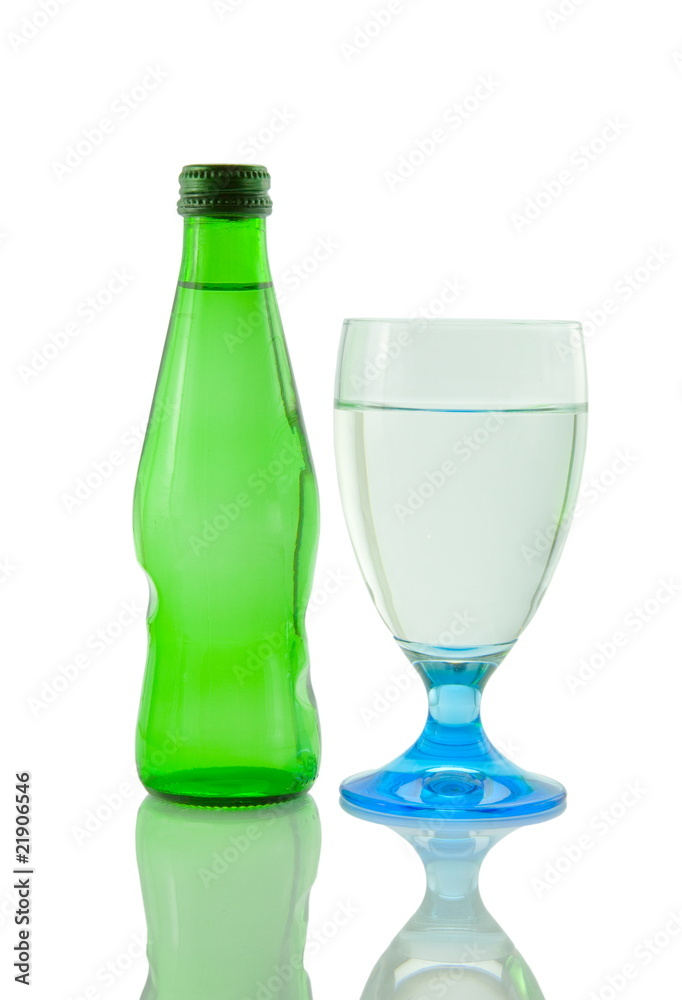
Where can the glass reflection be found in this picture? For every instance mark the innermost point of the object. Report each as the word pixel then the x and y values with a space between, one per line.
pixel 226 899
pixel 452 948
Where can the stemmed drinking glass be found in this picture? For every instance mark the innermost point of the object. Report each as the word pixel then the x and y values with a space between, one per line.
pixel 459 448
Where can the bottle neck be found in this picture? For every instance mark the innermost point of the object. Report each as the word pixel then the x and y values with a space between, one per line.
pixel 224 251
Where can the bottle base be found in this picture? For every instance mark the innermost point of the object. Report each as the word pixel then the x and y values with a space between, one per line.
pixel 235 787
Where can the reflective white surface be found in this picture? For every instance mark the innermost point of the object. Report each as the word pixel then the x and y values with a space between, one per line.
pixel 581 896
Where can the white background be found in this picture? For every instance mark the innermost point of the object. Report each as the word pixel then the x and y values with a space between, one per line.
pixel 354 104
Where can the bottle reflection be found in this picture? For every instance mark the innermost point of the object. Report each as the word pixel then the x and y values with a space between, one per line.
pixel 452 948
pixel 226 899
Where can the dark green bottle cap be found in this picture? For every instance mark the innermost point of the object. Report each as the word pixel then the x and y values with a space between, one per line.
pixel 221 189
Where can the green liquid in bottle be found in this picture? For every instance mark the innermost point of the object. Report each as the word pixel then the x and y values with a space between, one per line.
pixel 226 526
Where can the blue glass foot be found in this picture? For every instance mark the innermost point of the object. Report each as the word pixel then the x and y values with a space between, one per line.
pixel 453 772
pixel 494 791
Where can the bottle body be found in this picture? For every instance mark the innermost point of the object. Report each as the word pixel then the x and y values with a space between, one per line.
pixel 226 525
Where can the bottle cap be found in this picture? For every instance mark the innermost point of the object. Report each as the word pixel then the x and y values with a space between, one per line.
pixel 220 189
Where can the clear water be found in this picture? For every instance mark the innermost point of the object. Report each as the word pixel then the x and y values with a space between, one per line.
pixel 458 518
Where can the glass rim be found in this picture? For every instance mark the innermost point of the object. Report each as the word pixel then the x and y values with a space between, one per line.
pixel 432 362
pixel 461 322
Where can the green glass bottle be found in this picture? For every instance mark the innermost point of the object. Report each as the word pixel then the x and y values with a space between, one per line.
pixel 226 521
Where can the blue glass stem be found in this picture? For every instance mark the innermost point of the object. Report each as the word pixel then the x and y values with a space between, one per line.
pixel 453 730
pixel 453 771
